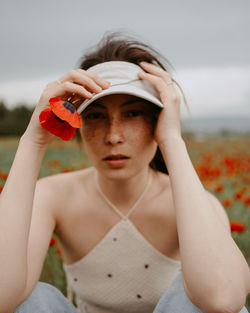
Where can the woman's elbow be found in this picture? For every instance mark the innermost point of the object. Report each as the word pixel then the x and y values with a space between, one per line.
pixel 222 304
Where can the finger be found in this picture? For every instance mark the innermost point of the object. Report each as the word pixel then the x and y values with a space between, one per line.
pixel 71 88
pixel 157 81
pixel 76 75
pixel 156 70
pixel 100 81
pixel 83 80
pixel 166 90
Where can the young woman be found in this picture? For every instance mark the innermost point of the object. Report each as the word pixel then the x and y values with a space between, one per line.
pixel 138 231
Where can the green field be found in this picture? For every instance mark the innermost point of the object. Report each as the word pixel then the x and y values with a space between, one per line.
pixel 223 165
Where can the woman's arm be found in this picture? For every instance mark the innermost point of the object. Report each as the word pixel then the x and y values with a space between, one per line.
pixel 214 268
pixel 215 272
pixel 17 212
pixel 15 216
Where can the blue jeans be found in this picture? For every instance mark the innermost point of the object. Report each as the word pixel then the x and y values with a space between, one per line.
pixel 45 298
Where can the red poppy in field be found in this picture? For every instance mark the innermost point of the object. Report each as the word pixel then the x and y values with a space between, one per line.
pixel 227 203
pixel 247 201
pixel 206 172
pixel 219 188
pixel 52 241
pixel 237 226
pixel 5 175
pixel 58 251
pixel 238 195
pixel 67 170
pixel 61 119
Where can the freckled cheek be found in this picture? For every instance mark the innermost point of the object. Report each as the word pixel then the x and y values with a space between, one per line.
pixel 90 133
pixel 142 140
pixel 92 138
pixel 142 132
pixel 93 131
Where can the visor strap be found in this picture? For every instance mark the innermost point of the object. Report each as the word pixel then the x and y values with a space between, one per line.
pixel 128 82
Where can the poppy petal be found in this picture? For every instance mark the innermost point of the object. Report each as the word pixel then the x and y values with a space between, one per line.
pixel 55 125
pixel 65 111
pixel 55 99
pixel 75 120
pixel 44 115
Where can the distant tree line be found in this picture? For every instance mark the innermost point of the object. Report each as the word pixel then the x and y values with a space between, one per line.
pixel 13 122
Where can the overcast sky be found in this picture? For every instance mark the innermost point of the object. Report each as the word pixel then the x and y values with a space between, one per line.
pixel 208 42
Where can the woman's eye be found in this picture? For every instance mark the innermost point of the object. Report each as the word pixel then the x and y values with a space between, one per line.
pixel 134 113
pixel 93 116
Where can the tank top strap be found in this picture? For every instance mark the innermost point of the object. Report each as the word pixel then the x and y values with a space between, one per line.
pixel 125 217
pixel 141 196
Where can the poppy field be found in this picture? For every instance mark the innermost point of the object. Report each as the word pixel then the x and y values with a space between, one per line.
pixel 222 164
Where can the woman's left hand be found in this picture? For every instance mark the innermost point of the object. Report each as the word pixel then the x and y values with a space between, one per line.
pixel 168 123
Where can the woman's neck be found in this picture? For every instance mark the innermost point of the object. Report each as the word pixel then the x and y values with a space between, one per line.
pixel 124 193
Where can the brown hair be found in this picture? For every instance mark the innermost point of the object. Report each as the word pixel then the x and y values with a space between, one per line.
pixel 117 46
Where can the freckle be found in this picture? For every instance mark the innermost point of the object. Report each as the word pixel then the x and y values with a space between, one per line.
pixel 115 239
pixel 109 275
pixel 75 279
pixel 138 296
pixel 146 265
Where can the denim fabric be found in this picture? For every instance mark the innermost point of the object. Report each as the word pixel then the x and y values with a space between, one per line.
pixel 45 298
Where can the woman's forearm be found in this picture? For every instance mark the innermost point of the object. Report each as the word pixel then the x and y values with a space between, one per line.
pixel 210 258
pixel 16 203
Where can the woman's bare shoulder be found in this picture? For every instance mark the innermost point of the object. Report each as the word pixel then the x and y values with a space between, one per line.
pixel 63 186
pixel 67 177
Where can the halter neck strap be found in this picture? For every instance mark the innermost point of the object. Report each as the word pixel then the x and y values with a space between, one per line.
pixel 125 217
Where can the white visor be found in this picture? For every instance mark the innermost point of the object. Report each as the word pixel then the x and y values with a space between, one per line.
pixel 123 77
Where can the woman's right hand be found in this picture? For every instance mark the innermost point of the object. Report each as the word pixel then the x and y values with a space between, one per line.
pixel 79 83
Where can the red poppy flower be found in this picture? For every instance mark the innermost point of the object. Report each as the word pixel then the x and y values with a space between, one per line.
pixel 219 188
pixel 238 195
pixel 67 170
pixel 52 241
pixel 5 176
pixel 61 119
pixel 247 201
pixel 227 203
pixel 58 251
pixel 237 226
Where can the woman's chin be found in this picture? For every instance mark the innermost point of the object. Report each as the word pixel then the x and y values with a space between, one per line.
pixel 120 173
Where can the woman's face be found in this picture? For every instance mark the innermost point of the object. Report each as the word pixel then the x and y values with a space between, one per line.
pixel 117 132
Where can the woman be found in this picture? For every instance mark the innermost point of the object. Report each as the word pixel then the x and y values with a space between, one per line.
pixel 138 232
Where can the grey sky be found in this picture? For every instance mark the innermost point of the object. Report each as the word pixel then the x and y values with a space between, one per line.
pixel 41 38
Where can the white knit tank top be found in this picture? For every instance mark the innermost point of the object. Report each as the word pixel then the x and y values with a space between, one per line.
pixel 122 273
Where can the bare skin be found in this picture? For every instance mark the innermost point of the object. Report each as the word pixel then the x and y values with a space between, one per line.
pixel 81 227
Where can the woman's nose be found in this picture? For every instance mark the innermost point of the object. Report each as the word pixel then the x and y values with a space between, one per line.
pixel 114 133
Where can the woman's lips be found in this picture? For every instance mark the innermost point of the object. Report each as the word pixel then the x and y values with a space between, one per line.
pixel 116 160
